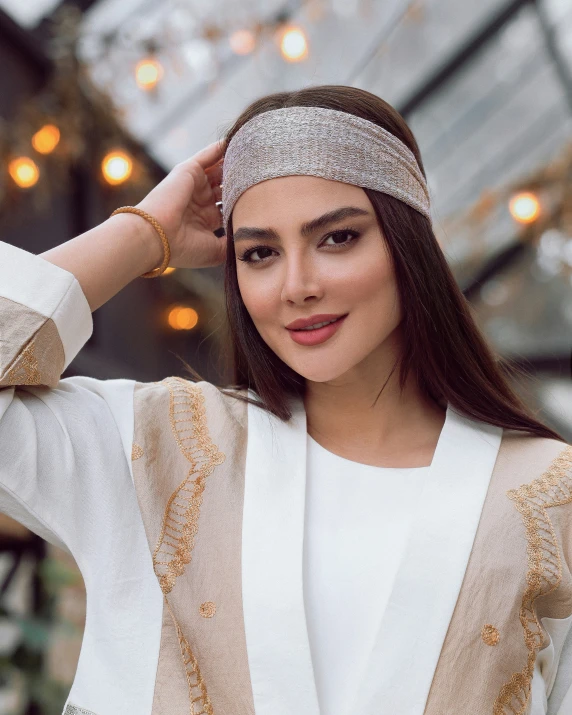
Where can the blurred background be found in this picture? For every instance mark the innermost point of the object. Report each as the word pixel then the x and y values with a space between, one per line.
pixel 100 98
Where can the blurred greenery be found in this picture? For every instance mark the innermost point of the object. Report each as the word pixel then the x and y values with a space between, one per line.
pixel 25 663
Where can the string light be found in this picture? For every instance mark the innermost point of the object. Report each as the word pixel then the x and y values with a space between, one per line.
pixel 293 44
pixel 182 317
pixel 46 139
pixel 524 207
pixel 116 167
pixel 148 73
pixel 242 42
pixel 24 171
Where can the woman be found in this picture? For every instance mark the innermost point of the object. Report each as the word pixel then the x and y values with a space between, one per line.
pixel 363 522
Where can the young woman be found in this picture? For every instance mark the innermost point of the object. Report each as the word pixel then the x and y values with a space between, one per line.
pixel 367 521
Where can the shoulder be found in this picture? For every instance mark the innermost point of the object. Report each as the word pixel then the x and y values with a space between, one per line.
pixel 530 449
pixel 525 460
pixel 219 404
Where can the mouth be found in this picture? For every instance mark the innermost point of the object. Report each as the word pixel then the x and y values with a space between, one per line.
pixel 316 334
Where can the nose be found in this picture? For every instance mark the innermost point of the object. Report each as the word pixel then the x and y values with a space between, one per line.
pixel 301 280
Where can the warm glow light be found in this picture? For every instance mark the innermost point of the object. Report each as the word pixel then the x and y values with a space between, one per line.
pixel 116 167
pixel 242 42
pixel 148 73
pixel 46 139
pixel 168 270
pixel 524 207
pixel 182 318
pixel 293 45
pixel 24 171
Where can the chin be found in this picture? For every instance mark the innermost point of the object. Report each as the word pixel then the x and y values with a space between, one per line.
pixel 324 365
pixel 318 372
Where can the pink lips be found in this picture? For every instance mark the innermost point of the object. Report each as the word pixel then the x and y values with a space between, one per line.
pixel 315 337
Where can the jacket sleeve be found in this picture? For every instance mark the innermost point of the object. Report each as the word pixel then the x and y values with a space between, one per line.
pixel 560 697
pixel 65 445
pixel 45 319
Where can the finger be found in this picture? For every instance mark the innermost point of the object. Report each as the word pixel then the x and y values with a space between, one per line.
pixel 216 166
pixel 205 194
pixel 210 155
pixel 214 174
pixel 206 190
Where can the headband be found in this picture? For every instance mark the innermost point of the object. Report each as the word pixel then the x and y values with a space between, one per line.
pixel 321 142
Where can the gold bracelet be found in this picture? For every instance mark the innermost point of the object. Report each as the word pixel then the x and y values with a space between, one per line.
pixel 162 235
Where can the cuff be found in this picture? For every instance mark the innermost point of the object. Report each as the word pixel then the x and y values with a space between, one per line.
pixel 49 290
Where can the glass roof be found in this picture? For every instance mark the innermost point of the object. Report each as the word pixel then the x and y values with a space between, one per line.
pixel 30 12
pixel 486 88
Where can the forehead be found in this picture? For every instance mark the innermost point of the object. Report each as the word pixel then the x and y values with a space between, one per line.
pixel 293 198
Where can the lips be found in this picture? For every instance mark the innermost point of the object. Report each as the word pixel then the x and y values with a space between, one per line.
pixel 313 320
pixel 317 336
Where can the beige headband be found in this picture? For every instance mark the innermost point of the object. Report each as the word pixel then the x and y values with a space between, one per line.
pixel 321 142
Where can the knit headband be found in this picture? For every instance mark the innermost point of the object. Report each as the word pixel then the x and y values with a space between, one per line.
pixel 321 142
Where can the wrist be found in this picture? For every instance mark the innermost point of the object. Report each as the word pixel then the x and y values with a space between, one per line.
pixel 140 231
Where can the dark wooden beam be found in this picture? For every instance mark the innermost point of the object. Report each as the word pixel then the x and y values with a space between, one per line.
pixel 24 42
pixel 480 39
pixel 42 30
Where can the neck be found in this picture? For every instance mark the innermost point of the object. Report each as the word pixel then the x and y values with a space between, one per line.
pixel 355 418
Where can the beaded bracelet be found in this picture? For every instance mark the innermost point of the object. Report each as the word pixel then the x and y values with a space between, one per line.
pixel 162 235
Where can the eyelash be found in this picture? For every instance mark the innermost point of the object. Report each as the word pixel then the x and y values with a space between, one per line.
pixel 354 236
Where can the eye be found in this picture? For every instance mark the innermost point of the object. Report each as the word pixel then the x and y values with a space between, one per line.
pixel 246 256
pixel 264 252
pixel 341 234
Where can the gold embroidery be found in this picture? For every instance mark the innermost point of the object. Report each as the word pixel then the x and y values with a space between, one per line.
pixel 75 710
pixel 25 371
pixel 180 521
pixel 198 695
pixel 490 634
pixel 136 452
pixel 207 609
pixel 553 488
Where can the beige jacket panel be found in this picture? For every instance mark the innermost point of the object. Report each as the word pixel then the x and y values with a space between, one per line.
pixel 189 471
pixel 518 573
pixel 190 494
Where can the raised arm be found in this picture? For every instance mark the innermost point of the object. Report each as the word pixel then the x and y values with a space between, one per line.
pixel 108 257
pixel 65 445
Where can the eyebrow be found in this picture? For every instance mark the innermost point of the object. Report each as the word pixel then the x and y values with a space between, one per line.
pixel 308 228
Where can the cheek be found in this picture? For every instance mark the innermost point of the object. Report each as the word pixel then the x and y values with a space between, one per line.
pixel 366 283
pixel 258 293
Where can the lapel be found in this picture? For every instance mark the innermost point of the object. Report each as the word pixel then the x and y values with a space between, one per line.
pixel 427 585
pixel 277 640
pixel 410 636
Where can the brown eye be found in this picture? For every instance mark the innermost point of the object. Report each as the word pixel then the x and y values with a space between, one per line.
pixel 340 236
pixel 246 256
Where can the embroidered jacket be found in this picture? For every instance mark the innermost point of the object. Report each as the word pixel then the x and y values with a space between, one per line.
pixel 480 615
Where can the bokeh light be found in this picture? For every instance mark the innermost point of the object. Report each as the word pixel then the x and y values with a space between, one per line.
pixel 242 42
pixel 46 139
pixel 116 167
pixel 181 317
pixel 148 73
pixel 24 171
pixel 524 207
pixel 293 44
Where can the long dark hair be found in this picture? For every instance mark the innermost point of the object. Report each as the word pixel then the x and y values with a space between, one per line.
pixel 442 344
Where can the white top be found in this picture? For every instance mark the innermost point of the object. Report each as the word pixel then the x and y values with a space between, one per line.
pixel 357 521
pixel 65 472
